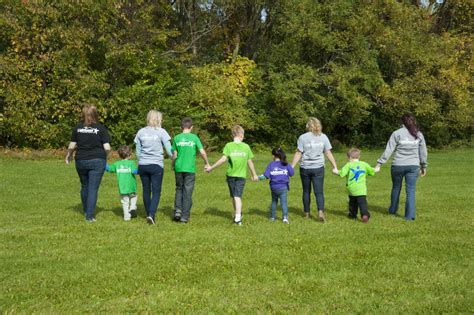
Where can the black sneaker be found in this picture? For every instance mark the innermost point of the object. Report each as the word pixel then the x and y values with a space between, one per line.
pixel 150 220
pixel 133 213
pixel 238 222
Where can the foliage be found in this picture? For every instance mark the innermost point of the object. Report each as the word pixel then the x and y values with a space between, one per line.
pixel 267 65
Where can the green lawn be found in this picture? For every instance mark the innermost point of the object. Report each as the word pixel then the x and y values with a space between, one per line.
pixel 54 262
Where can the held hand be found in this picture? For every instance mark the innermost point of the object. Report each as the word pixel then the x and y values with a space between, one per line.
pixel 335 171
pixel 423 172
pixel 67 159
pixel 377 168
pixel 254 178
pixel 208 168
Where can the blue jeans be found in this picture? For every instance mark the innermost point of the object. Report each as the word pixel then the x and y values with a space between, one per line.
pixel 183 200
pixel 283 195
pixel 313 176
pixel 410 172
pixel 90 174
pixel 152 178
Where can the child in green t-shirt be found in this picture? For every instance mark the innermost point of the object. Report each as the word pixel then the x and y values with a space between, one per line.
pixel 126 170
pixel 356 172
pixel 183 163
pixel 239 156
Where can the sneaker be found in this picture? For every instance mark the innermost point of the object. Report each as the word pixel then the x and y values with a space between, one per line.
pixel 365 218
pixel 183 221
pixel 238 222
pixel 321 216
pixel 307 215
pixel 285 221
pixel 351 217
pixel 133 213
pixel 177 215
pixel 126 219
pixel 272 219
pixel 91 220
pixel 150 220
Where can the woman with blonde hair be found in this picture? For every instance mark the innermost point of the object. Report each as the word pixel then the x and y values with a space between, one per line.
pixel 312 146
pixel 91 141
pixel 151 141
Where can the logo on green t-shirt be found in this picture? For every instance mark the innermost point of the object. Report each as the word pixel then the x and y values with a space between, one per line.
pixel 186 145
pixel 238 154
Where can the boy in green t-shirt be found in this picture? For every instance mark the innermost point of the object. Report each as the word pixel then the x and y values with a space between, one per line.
pixel 126 171
pixel 356 173
pixel 184 149
pixel 239 156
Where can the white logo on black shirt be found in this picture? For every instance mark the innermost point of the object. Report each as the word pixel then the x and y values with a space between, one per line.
pixel 88 130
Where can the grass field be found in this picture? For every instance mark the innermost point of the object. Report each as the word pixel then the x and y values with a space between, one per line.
pixel 53 262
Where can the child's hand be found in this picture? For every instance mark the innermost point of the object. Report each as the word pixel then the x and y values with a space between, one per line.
pixel 207 168
pixel 335 171
pixel 377 168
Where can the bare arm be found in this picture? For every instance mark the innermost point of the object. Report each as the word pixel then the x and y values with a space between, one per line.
pixel 107 149
pixel 252 170
pixel 332 160
pixel 70 149
pixel 296 158
pixel 173 160
pixel 221 161
pixel 204 156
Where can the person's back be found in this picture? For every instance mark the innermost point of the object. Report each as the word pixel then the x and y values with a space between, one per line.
pixel 151 140
pixel 408 149
pixel 356 173
pixel 186 145
pixel 125 171
pixel 238 154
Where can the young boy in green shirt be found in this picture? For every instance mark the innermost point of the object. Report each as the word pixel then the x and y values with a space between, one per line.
pixel 356 173
pixel 184 149
pixel 239 156
pixel 126 171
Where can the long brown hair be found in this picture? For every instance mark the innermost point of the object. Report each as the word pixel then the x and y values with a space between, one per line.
pixel 89 115
pixel 409 121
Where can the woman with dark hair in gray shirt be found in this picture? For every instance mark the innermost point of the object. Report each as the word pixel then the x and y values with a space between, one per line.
pixel 409 160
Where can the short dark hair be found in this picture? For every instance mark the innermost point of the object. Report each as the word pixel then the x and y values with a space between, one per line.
pixel 186 123
pixel 124 152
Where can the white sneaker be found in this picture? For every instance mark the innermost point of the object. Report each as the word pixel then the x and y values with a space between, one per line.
pixel 150 220
pixel 285 221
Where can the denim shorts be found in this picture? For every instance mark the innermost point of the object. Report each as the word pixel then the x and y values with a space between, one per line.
pixel 236 186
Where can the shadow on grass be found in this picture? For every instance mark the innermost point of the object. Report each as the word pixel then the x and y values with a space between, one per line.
pixel 78 208
pixel 219 213
pixel 259 212
pixel 168 211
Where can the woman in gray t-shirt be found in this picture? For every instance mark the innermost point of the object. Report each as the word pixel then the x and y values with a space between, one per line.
pixel 312 146
pixel 151 142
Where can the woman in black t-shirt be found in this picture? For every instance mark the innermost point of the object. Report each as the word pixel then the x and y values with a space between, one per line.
pixel 91 141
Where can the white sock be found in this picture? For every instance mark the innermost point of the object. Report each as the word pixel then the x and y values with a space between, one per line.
pixel 237 218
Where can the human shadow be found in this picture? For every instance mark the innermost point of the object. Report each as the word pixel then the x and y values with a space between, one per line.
pixel 78 208
pixel 219 213
pixel 259 212
pixel 167 211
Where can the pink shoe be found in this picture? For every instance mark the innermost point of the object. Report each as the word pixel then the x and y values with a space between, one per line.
pixel 365 218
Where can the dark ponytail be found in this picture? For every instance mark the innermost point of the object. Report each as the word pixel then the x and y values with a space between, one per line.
pixel 409 121
pixel 279 153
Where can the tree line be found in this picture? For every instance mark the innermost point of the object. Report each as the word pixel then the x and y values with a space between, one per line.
pixel 267 65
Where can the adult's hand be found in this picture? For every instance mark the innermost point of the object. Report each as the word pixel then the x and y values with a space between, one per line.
pixel 335 171
pixel 377 168
pixel 423 172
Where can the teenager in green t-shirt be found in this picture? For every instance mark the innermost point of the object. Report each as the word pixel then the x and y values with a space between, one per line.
pixel 239 156
pixel 184 149
pixel 126 170
pixel 356 173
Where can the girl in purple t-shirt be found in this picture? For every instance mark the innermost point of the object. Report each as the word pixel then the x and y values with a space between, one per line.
pixel 279 172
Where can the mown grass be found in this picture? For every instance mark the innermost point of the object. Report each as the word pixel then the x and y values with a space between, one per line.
pixel 53 262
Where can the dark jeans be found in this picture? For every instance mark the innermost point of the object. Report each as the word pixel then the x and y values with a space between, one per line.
pixel 313 176
pixel 183 200
pixel 90 174
pixel 410 172
pixel 283 195
pixel 356 202
pixel 152 179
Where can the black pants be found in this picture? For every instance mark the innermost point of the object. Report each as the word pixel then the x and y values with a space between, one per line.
pixel 184 193
pixel 356 202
